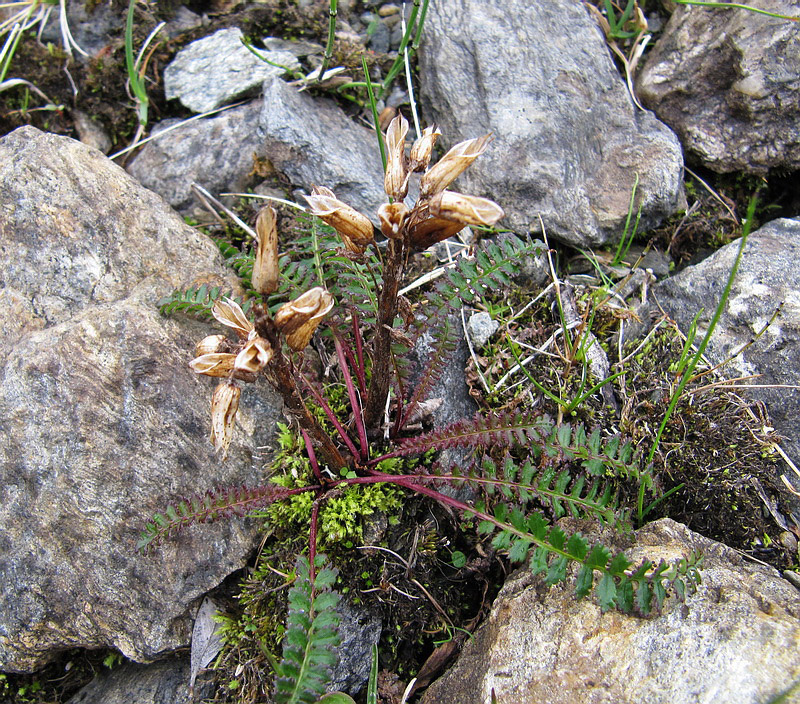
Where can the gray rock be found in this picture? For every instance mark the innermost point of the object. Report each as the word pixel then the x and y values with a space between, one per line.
pixel 215 152
pixel 163 682
pixel 768 275
pixel 481 327
pixel 733 642
pixel 728 82
pixel 102 422
pixel 218 68
pixel 313 142
pixel 568 138
pixel 359 630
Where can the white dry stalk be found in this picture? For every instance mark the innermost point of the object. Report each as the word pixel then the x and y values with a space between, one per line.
pixel 233 216
pixel 171 128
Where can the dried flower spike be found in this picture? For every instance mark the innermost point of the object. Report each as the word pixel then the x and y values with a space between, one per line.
pixel 355 229
pixel 420 155
pixel 470 210
pixel 230 313
pixel 395 181
pixel 452 165
pixel 299 318
pixel 224 404
pixel 265 267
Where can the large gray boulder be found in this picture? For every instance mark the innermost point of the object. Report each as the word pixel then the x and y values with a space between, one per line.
pixel 102 422
pixel 313 142
pixel 216 153
pixel 728 82
pixel 769 275
pixel 568 139
pixel 733 642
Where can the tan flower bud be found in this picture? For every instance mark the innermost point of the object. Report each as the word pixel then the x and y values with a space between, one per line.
pixel 428 232
pixel 421 151
pixel 219 364
pixel 265 267
pixel 224 404
pixel 210 344
pixel 469 210
pixel 230 313
pixel 299 318
pixel 355 229
pixel 392 217
pixel 452 164
pixel 395 181
pixel 255 355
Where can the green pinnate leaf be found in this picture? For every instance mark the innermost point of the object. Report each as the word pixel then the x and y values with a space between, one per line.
pixel 583 582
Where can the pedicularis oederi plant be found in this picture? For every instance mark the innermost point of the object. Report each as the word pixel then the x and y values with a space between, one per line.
pixel 564 470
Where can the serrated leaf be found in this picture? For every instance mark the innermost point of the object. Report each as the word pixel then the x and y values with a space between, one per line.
pixel 557 571
pixel 606 592
pixel 519 550
pixel 583 582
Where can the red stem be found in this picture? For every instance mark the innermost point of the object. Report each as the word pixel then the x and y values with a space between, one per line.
pixel 312 457
pixel 354 401
pixel 323 404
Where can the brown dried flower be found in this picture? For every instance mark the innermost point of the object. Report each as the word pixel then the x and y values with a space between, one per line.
pixel 392 217
pixel 218 364
pixel 452 164
pixel 265 267
pixel 224 404
pixel 420 155
pixel 230 313
pixel 469 210
pixel 428 232
pixel 395 181
pixel 210 344
pixel 355 229
pixel 299 318
pixel 255 355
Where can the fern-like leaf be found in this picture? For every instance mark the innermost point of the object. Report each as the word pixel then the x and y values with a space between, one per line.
pixel 493 266
pixel 480 431
pixel 549 550
pixel 197 302
pixel 207 508
pixel 311 636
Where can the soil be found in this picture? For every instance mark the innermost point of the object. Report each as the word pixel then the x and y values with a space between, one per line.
pixel 713 449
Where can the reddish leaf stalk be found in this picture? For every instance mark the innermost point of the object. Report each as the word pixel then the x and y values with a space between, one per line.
pixel 312 457
pixel 283 380
pixel 323 404
pixel 354 402
pixel 359 342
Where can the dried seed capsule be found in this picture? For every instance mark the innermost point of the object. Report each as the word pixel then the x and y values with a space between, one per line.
pixel 421 150
pixel 470 210
pixel 224 405
pixel 299 318
pixel 230 313
pixel 354 228
pixel 452 164
pixel 255 355
pixel 392 217
pixel 219 364
pixel 209 345
pixel 432 230
pixel 265 267
pixel 395 181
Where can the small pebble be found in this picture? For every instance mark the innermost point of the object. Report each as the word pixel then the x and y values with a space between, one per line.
pixel 481 328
